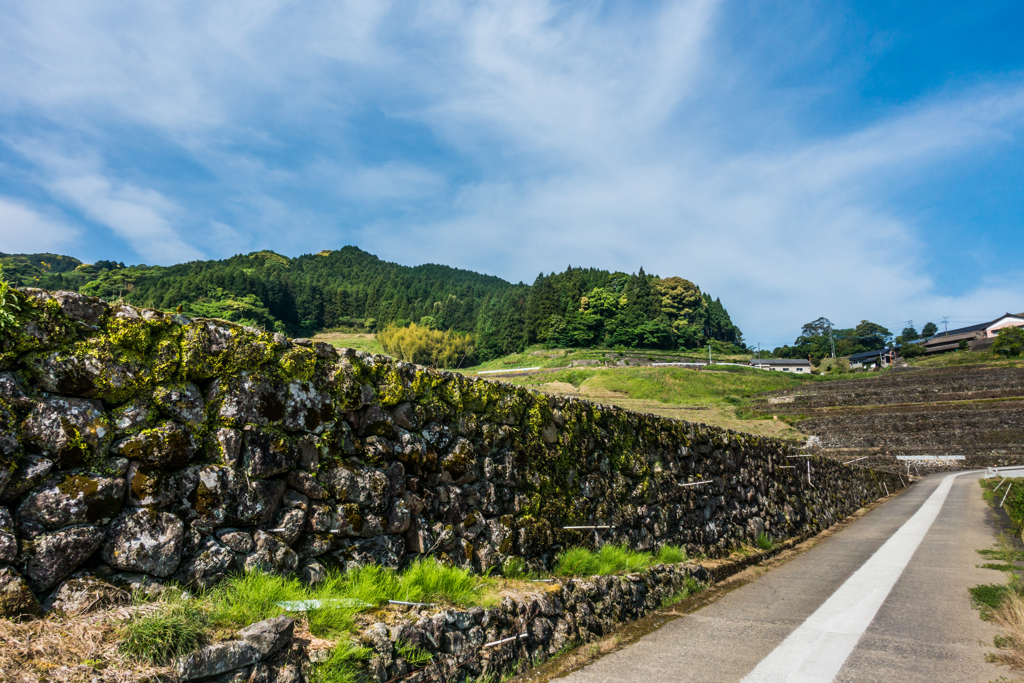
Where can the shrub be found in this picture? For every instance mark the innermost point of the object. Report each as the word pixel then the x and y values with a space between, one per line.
pixel 175 629
pixel 8 305
pixel 1009 342
pixel 912 350
pixel 422 345
pixel 765 542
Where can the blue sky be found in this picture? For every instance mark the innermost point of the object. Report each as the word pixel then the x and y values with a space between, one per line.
pixel 853 160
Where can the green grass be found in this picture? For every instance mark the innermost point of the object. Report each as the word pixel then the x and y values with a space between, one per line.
pixel 765 542
pixel 690 587
pixel 612 559
pixel 430 581
pixel 671 554
pixel 345 665
pixel 176 628
pixel 514 568
pixel 724 386
pixel 1014 502
pixel 343 339
pixel 253 596
pixel 963 358
pixel 181 625
pixel 988 597
pixel 414 655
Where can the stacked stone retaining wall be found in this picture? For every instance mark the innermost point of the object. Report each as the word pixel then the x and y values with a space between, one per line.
pixel 141 446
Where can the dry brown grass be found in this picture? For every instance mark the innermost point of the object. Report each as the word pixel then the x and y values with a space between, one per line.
pixel 79 649
pixel 1010 616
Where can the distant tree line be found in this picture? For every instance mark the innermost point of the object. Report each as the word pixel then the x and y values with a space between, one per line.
pixel 818 338
pixel 350 288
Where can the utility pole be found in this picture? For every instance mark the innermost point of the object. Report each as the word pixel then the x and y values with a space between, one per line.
pixel 709 354
pixel 945 323
pixel 832 340
pixel 759 352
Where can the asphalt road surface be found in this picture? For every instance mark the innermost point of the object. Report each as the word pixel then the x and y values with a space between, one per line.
pixel 884 599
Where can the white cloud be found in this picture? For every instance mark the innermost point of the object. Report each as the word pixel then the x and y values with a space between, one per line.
pixel 24 230
pixel 141 217
pixel 544 133
pixel 137 215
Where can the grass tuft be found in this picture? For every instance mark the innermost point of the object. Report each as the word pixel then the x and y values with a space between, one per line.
pixel 428 580
pixel 176 628
pixel 612 559
pixel 414 655
pixel 514 568
pixel 765 542
pixel 672 554
pixel 345 665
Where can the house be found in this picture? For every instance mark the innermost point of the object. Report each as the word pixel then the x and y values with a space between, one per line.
pixel 880 357
pixel 782 364
pixel 978 337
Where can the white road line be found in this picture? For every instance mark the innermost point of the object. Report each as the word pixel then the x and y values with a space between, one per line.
pixel 817 649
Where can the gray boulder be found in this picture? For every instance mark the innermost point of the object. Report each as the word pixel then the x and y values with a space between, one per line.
pixel 8 542
pixel 271 555
pixel 305 483
pixel 10 445
pixel 168 446
pixel 266 454
pixel 72 430
pixel 288 524
pixel 206 566
pixel 239 541
pixel 16 598
pixel 307 408
pixel 31 470
pixel 146 541
pixel 150 487
pixel 12 392
pixel 87 309
pixel 133 416
pixel 269 636
pixel 313 572
pixel 183 402
pixel 216 659
pixel 226 497
pixel 228 444
pixel 367 488
pixel 74 498
pixel 52 557
pixel 252 399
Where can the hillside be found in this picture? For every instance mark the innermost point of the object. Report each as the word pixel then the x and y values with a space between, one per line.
pixel 350 290
pixel 971 410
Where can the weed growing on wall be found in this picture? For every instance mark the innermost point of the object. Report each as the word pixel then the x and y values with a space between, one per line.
pixel 613 559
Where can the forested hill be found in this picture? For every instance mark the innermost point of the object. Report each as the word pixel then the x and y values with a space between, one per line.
pixel 351 288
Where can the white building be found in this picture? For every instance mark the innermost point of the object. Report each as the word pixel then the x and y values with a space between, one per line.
pixel 782 364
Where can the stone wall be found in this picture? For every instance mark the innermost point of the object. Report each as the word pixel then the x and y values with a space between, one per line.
pixel 149 446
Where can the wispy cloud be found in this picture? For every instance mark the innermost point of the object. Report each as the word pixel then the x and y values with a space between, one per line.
pixel 24 229
pixel 510 138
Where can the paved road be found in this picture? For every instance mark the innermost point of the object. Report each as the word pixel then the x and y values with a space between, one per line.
pixel 883 600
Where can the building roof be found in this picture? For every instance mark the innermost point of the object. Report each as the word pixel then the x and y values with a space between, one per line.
pixel 779 361
pixel 976 328
pixel 867 355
